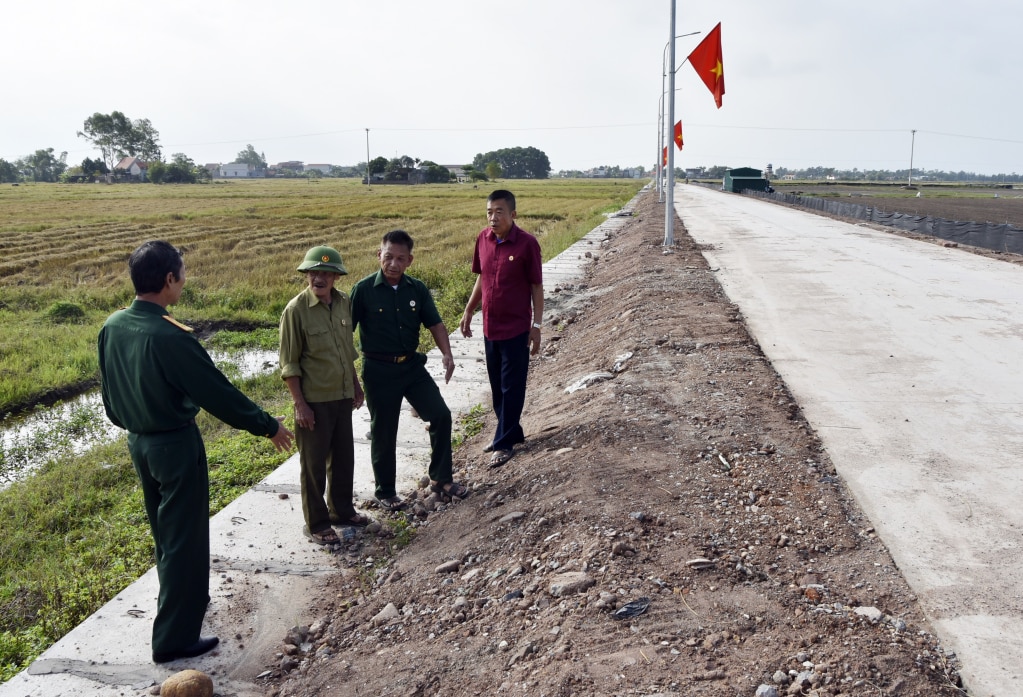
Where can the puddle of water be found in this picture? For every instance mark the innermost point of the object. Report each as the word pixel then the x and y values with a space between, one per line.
pixel 75 425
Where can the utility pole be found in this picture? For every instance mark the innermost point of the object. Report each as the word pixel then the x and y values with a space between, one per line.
pixel 912 146
pixel 367 159
pixel 660 145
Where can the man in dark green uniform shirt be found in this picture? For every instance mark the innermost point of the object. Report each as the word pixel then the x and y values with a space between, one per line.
pixel 388 308
pixel 155 378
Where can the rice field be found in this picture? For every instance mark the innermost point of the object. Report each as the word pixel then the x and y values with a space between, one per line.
pixel 67 245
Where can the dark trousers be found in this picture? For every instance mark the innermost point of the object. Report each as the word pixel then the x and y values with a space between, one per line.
pixel 508 368
pixel 175 485
pixel 386 384
pixel 327 459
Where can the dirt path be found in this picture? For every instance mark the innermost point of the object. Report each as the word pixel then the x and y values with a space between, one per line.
pixel 683 480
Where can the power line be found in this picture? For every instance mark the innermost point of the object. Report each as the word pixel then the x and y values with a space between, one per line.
pixel 262 139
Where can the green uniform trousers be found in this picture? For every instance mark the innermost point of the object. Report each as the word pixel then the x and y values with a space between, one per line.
pixel 175 484
pixel 386 384
pixel 327 459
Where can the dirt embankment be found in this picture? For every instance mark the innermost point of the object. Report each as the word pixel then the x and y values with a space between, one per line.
pixel 673 528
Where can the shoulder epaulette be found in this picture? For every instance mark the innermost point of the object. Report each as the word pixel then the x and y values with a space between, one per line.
pixel 179 325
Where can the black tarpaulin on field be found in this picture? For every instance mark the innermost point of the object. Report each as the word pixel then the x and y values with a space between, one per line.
pixel 1002 238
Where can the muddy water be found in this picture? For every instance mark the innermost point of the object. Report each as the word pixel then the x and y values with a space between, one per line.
pixel 75 425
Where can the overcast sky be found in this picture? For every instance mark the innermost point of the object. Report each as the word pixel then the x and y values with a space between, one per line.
pixel 808 82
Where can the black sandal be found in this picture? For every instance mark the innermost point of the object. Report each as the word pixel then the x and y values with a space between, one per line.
pixel 392 503
pixel 453 489
pixel 501 456
pixel 323 537
pixel 356 521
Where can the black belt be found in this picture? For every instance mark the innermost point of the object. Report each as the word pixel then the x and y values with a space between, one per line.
pixel 190 422
pixel 389 358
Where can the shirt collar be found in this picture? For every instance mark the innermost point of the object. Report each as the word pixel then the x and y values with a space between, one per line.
pixel 379 280
pixel 512 234
pixel 147 306
pixel 313 301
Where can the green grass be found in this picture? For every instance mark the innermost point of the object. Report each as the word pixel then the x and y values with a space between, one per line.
pixel 469 425
pixel 71 543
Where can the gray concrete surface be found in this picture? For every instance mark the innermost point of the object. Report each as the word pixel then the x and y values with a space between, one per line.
pixel 905 356
pixel 263 569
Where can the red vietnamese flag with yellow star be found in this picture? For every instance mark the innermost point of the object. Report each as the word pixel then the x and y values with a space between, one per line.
pixel 664 157
pixel 678 135
pixel 706 59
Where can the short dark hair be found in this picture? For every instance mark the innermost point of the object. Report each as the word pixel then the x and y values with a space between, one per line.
pixel 150 263
pixel 503 194
pixel 398 237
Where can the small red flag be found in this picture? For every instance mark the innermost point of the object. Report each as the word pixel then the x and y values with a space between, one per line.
pixel 678 135
pixel 665 157
pixel 706 59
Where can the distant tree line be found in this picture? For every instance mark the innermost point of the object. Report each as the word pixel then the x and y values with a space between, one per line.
pixel 514 163
pixel 605 172
pixel 117 136
pixel 410 170
pixel 40 166
pixel 180 170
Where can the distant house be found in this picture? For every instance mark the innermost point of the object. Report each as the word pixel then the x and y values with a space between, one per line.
pixel 457 171
pixel 131 167
pixel 742 178
pixel 324 169
pixel 295 166
pixel 239 170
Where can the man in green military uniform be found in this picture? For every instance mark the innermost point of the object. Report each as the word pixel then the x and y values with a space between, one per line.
pixel 388 307
pixel 155 378
pixel 317 357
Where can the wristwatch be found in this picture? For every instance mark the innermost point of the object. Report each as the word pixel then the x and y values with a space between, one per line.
pixel 536 326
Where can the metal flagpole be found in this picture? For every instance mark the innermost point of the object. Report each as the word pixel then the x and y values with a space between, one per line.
pixel 669 199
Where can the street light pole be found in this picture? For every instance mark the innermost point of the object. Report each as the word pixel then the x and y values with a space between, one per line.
pixel 669 199
pixel 662 138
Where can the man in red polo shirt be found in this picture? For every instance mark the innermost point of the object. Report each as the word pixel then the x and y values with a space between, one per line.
pixel 510 285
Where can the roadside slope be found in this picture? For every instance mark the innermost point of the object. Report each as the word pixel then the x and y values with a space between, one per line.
pixel 683 474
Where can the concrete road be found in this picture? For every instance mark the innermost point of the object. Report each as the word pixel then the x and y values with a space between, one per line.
pixel 907 358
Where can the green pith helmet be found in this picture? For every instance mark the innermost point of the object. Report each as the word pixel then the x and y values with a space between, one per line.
pixel 322 259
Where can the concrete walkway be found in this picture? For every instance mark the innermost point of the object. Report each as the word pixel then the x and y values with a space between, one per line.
pixel 262 566
pixel 905 358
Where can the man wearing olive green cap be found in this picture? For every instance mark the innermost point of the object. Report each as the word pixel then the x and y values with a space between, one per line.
pixel 155 378
pixel 317 356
